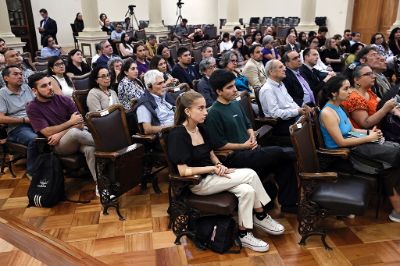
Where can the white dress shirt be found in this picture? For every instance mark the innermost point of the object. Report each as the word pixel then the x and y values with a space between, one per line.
pixel 276 101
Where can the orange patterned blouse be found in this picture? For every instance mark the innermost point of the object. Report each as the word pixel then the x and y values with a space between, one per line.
pixel 358 102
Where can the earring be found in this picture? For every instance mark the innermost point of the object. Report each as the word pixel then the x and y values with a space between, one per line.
pixel 334 98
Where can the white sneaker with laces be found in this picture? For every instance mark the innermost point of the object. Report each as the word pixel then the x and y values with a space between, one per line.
pixel 251 242
pixel 269 225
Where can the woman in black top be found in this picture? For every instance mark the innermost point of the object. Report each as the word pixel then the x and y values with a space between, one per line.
pixel 331 56
pixel 189 150
pixel 394 41
pixel 76 65
pixel 78 22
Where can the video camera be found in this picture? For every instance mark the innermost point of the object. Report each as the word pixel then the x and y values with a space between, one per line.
pixel 180 3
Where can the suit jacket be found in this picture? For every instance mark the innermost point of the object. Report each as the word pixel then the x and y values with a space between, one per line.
pixel 255 73
pixel 294 87
pixel 313 77
pixel 50 28
pixel 288 48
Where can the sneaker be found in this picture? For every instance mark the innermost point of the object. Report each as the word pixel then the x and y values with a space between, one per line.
pixel 251 242
pixel 269 225
pixel 394 217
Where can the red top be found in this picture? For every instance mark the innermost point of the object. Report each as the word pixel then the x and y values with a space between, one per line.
pixel 358 102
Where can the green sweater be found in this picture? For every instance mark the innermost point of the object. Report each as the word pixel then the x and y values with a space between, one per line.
pixel 227 123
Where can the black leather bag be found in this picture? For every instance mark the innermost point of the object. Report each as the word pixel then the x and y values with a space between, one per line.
pixel 217 233
pixel 372 158
pixel 391 127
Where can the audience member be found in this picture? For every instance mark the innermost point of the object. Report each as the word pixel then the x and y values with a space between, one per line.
pixel 322 31
pixel 237 47
pixel 198 35
pixel 237 35
pixel 114 68
pixel 257 37
pixel 160 64
pixel 335 128
pixel 125 48
pixel 346 40
pixel 230 129
pixel 229 63
pixel 48 26
pixel 50 48
pixel 378 41
pixel 116 33
pixel 13 57
pixel 107 27
pixel 14 97
pixel 183 70
pixel 207 67
pixel 181 31
pixel 100 95
pixel 315 78
pixel 60 82
pixel 140 52
pixel 151 46
pixel 291 45
pixel 102 18
pixel 106 54
pixel 269 51
pixel 276 101
pixel 295 83
pixel 226 44
pixel 394 41
pixel 302 40
pixel 130 87
pixel 3 49
pixel 56 117
pixel 166 54
pixel 97 55
pixel 76 65
pixel 155 109
pixel 313 44
pixel 78 22
pixel 331 55
pixel 355 37
pixel 254 69
pixel 190 150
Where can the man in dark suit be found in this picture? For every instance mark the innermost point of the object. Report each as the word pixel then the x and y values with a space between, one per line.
pixel 48 26
pixel 295 84
pixel 315 78
pixel 291 45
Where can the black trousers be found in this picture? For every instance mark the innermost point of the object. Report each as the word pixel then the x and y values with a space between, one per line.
pixel 267 160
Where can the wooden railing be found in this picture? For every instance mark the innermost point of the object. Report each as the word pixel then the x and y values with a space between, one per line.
pixel 41 245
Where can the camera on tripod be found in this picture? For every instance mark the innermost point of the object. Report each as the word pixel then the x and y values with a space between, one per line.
pixel 180 3
pixel 131 7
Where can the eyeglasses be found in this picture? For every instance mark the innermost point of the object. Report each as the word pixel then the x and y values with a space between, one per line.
pixel 234 61
pixel 371 74
pixel 107 76
pixel 212 66
pixel 59 64
pixel 295 58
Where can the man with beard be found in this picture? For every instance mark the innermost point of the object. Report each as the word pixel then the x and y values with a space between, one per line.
pixel 57 118
pixel 13 57
pixel 13 100
pixel 184 71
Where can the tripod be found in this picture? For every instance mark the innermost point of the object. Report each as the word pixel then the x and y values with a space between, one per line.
pixel 179 11
pixel 132 16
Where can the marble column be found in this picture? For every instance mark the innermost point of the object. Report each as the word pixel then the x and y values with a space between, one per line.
pixel 397 22
pixel 5 29
pixel 232 17
pixel 92 32
pixel 155 20
pixel 307 16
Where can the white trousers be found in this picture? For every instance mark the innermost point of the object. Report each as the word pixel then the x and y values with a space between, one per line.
pixel 246 186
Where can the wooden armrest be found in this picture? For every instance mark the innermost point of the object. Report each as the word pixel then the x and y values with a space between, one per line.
pixel 147 138
pixel 194 179
pixel 340 152
pixel 266 120
pixel 324 176
pixel 223 154
pixel 115 154
pixel 263 131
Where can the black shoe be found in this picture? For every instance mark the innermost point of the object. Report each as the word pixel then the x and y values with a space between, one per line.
pixel 290 209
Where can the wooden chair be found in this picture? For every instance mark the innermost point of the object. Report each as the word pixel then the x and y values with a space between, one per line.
pixel 80 97
pixel 196 51
pixel 119 163
pixel 40 66
pixel 81 82
pixel 184 206
pixel 323 193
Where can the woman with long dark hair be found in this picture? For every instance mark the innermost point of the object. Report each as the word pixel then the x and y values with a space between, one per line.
pixel 378 41
pixel 125 48
pixel 190 151
pixel 238 48
pixel 78 22
pixel 164 51
pixel 76 65
pixel 100 95
pixel 394 41
pixel 129 86
pixel 60 81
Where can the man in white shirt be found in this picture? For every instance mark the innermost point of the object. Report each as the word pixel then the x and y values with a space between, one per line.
pixel 276 101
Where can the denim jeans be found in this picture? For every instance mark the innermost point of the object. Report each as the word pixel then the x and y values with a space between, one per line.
pixel 24 134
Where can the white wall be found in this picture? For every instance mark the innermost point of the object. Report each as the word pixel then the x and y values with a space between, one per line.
pixel 339 12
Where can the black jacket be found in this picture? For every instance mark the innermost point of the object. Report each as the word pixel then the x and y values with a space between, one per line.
pixel 185 75
pixel 204 88
pixel 314 79
pixel 294 87
pixel 50 28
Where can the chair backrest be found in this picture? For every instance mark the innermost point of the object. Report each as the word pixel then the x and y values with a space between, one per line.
pixel 41 59
pixel 40 66
pixel 245 102
pixel 80 97
pixel 317 128
pixel 303 143
pixel 81 82
pixel 174 52
pixel 195 82
pixel 164 144
pixel 197 54
pixel 109 128
pixel 257 94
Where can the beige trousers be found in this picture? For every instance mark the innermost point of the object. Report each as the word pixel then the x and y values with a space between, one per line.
pixel 246 186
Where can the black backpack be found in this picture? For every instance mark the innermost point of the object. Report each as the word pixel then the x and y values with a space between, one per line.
pixel 217 233
pixel 47 185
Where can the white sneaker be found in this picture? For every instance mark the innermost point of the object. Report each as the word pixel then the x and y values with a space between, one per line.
pixel 251 242
pixel 269 225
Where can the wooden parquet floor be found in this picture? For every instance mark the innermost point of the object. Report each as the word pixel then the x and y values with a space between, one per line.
pixel 144 238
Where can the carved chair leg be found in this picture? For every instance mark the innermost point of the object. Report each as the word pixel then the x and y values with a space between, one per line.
pixel 11 169
pixel 154 183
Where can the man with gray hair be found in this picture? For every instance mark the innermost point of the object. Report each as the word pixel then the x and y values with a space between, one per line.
pixel 291 45
pixel 155 109
pixel 106 54
pixel 206 68
pixel 276 101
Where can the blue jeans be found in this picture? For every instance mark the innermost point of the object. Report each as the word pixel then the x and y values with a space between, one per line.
pixel 24 134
